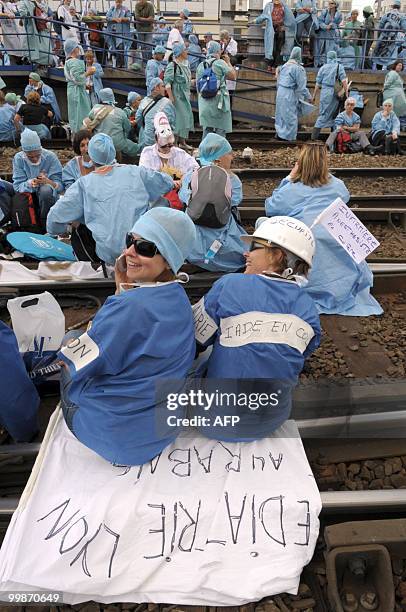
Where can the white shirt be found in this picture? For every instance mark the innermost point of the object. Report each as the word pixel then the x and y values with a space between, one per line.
pixel 63 13
pixel 174 37
pixel 178 159
pixel 231 48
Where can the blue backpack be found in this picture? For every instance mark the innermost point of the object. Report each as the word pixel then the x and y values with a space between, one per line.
pixel 208 84
pixel 41 247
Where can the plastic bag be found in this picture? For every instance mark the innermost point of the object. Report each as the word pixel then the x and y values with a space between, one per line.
pixel 39 326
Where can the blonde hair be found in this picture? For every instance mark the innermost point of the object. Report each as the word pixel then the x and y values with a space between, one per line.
pixel 313 166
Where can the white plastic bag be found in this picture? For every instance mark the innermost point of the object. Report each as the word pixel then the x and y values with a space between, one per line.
pixel 39 325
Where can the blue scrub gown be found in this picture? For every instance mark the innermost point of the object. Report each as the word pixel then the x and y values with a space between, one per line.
pixel 292 87
pixel 328 105
pixel 388 124
pixel 289 23
pixel 230 256
pixel 337 284
pixel 327 40
pixel 47 97
pixel 386 48
pixel 7 127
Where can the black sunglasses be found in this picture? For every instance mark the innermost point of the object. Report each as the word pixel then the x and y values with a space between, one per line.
pixel 256 245
pixel 145 248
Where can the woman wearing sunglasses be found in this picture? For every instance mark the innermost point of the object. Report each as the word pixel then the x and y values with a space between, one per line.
pixel 140 336
pixel 262 326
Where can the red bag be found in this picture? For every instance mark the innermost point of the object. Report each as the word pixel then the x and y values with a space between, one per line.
pixel 41 23
pixel 342 141
pixel 174 201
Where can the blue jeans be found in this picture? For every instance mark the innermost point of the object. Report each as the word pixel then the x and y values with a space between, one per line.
pixel 46 199
pixel 145 37
pixel 209 130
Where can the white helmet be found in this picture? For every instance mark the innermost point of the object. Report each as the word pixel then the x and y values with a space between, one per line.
pixel 287 233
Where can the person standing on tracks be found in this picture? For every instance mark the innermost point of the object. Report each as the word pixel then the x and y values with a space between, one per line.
pixel 81 165
pixel 76 75
pixel 326 79
pixel 177 79
pixel 385 130
pixel 337 284
pixel 109 200
pixel 215 112
pixel 227 254
pixel 291 97
pixel 143 334
pixel 154 102
pixel 262 326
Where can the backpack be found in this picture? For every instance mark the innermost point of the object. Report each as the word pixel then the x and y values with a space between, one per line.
pixel 61 132
pixel 23 214
pixel 41 23
pixel 342 142
pixel 379 98
pixel 210 201
pixel 208 84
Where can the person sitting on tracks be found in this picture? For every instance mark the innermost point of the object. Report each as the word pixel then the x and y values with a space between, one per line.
pixel 37 171
pixel 7 127
pixel 337 284
pixel 108 201
pixel 154 102
pixel 47 94
pixel 105 117
pixel 218 246
pixel 262 326
pixel 349 123
pixel 19 400
pixel 142 334
pixel 81 165
pixel 34 116
pixel 385 130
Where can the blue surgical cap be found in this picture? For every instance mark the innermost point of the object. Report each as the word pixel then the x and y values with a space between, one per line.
pixel 153 83
pixel 106 96
pixel 171 230
pixel 159 49
pixel 331 57
pixel 132 96
pixel 193 39
pixel 213 48
pixel 212 147
pixel 186 12
pixel 30 141
pixel 396 3
pixel 296 54
pixel 70 45
pixel 177 49
pixel 101 149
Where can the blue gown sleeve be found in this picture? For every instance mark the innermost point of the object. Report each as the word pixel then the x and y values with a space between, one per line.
pixel 151 71
pixel 55 173
pixel 308 313
pixel 376 122
pixel 69 207
pixel 236 190
pixel 341 72
pixel 157 184
pixel 395 123
pixel 206 316
pixel 301 82
pixel 20 181
pixel 184 191
pixel 277 203
pixel 339 120
pixel 99 70
pixel 19 400
pixel 70 173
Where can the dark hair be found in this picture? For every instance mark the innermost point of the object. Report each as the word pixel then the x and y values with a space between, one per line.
pixel 34 98
pixel 77 139
pixel 2 97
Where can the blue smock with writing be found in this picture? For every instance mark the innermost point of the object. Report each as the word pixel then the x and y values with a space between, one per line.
pixel 337 284
pixel 137 338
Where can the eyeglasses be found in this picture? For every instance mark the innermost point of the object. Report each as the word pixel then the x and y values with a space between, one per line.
pixel 254 246
pixel 145 248
pixel 167 146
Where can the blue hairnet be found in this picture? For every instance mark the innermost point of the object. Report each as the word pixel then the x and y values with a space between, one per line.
pixel 296 54
pixel 396 3
pixel 171 230
pixel 101 149
pixel 30 141
pixel 159 49
pixel 153 83
pixel 177 49
pixel 387 101
pixel 212 147
pixel 193 39
pixel 186 12
pixel 106 95
pixel 331 57
pixel 132 96
pixel 213 48
pixel 70 45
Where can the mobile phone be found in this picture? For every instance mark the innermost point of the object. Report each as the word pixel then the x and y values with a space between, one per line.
pixel 122 264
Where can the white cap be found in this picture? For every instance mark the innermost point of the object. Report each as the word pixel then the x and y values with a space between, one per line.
pixel 287 233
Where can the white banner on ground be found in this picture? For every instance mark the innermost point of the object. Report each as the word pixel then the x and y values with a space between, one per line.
pixel 347 229
pixel 204 523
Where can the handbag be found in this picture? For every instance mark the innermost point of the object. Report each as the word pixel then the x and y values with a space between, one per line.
pixel 339 90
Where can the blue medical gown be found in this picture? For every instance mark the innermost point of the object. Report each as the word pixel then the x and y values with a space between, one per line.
pixel 109 204
pixel 70 173
pixel 289 24
pixel 253 322
pixel 230 256
pixel 137 339
pixel 23 171
pixel 292 87
pixel 97 83
pixel 153 70
pixel 19 400
pixel 146 135
pixel 7 127
pixel 327 40
pixel 118 34
pixel 346 55
pixel 337 284
pixel 328 104
pixel 388 124
pixel 301 4
pixel 195 59
pixel 391 25
pixel 347 120
pixel 47 97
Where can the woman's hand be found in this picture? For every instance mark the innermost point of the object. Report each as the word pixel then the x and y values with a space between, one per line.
pixel 294 171
pixel 120 272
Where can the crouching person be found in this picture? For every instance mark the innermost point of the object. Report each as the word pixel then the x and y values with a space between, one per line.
pixel 262 325
pixel 212 195
pixel 347 126
pixel 140 335
pixel 385 130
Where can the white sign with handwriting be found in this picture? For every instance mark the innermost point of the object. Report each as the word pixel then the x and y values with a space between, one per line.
pixel 204 523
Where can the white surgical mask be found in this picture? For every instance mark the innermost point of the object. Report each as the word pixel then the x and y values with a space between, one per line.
pixel 87 164
pixel 301 280
pixel 31 162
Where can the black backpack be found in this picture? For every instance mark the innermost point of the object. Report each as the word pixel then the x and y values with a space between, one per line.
pixel 23 214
